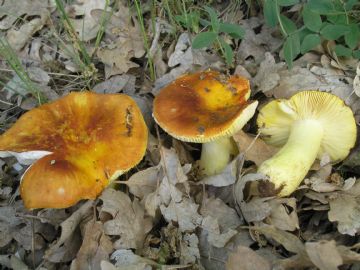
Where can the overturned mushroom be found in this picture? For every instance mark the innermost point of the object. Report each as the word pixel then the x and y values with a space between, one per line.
pixel 82 141
pixel 206 107
pixel 308 125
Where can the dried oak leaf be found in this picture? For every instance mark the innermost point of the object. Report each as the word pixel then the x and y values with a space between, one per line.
pixel 95 248
pixel 220 221
pixel 129 221
pixel 87 26
pixel 125 43
pixel 10 11
pixel 345 210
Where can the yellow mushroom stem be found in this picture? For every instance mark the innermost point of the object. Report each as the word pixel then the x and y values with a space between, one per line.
pixel 215 155
pixel 288 167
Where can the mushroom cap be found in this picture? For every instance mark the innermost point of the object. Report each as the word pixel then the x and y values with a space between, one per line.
pixel 89 140
pixel 276 118
pixel 204 106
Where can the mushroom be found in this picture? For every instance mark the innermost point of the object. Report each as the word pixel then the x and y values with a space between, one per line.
pixel 82 141
pixel 206 107
pixel 307 126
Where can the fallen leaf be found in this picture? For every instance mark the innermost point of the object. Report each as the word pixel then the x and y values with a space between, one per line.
pixel 245 258
pixel 138 266
pixel 190 253
pixel 129 221
pixel 283 214
pixel 226 177
pixel 125 42
pixel 324 254
pixel 253 45
pixel 289 241
pixel 184 213
pixel 267 76
pixel 18 38
pixel 125 257
pixel 68 228
pixel 345 211
pixel 9 224
pixel 86 27
pixel 185 59
pixel 115 84
pixel 215 237
pixel 254 149
pixel 11 11
pixel 96 247
pixel 144 182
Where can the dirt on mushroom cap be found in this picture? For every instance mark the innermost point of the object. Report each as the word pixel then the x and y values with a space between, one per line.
pixel 203 106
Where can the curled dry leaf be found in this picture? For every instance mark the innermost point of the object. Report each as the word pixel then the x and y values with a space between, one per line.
pixel 244 258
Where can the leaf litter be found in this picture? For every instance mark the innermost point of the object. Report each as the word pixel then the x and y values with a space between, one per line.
pixel 160 215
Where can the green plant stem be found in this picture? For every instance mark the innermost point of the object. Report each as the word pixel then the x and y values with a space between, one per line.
pixel 145 39
pixel 11 58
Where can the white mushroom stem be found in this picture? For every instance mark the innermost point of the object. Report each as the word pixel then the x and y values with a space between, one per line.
pixel 288 167
pixel 215 155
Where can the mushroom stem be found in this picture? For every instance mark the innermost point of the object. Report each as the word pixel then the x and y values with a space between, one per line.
pixel 288 167
pixel 215 155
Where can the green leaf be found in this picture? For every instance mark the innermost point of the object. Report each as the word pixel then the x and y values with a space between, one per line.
pixel 350 4
pixel 341 50
pixel 289 25
pixel 286 3
pixel 353 37
pixel 310 42
pixel 228 52
pixel 215 23
pixel 204 39
pixel 234 30
pixel 356 54
pixel 333 32
pixel 321 6
pixel 337 19
pixel 270 12
pixel 291 49
pixel 312 20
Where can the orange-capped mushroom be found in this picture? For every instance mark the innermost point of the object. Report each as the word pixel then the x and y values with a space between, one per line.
pixel 206 107
pixel 84 141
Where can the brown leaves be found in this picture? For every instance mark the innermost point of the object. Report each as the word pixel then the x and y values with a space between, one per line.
pixel 129 221
pixel 245 258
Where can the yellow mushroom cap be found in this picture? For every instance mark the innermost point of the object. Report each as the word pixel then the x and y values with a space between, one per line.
pixel 89 139
pixel 204 106
pixel 275 121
